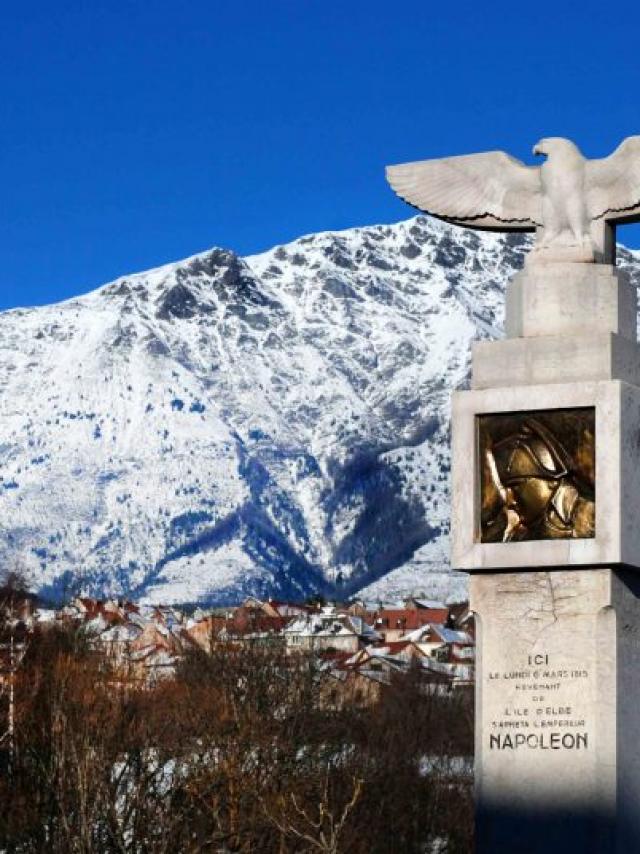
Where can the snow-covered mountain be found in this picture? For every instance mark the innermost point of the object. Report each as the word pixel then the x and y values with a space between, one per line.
pixel 275 425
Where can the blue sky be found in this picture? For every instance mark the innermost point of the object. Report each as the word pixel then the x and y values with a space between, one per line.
pixel 135 133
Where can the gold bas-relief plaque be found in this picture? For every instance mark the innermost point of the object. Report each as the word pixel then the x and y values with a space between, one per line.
pixel 537 475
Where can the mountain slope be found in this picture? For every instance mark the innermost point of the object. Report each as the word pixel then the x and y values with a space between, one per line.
pixel 275 425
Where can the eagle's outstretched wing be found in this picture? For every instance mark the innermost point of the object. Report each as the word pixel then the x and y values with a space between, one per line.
pixel 613 183
pixel 489 190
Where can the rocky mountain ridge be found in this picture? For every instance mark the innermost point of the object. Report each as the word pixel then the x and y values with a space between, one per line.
pixel 276 424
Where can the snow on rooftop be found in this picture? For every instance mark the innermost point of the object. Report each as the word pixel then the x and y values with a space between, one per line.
pixel 433 604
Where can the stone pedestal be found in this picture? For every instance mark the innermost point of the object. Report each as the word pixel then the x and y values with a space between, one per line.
pixel 556 598
pixel 570 299
pixel 558 725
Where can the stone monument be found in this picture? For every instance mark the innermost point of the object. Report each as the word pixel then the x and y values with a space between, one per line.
pixel 546 501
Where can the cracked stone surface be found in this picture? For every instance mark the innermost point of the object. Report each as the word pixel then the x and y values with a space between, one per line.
pixel 557 699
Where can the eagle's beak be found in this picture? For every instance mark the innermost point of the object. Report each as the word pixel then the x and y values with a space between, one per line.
pixel 537 149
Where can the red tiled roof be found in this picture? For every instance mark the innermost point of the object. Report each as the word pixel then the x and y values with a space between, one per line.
pixel 246 620
pixel 395 647
pixel 406 619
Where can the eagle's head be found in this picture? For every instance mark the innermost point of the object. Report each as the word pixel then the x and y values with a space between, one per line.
pixel 555 145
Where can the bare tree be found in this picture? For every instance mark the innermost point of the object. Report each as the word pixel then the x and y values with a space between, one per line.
pixel 15 601
pixel 240 753
pixel 315 824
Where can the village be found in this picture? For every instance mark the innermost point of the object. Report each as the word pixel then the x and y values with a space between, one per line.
pixel 359 644
pixel 165 728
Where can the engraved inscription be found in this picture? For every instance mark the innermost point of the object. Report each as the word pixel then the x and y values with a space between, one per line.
pixel 539 715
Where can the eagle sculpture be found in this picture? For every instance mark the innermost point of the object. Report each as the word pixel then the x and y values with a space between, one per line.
pixel 573 203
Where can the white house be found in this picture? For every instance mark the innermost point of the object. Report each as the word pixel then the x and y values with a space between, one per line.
pixel 326 630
